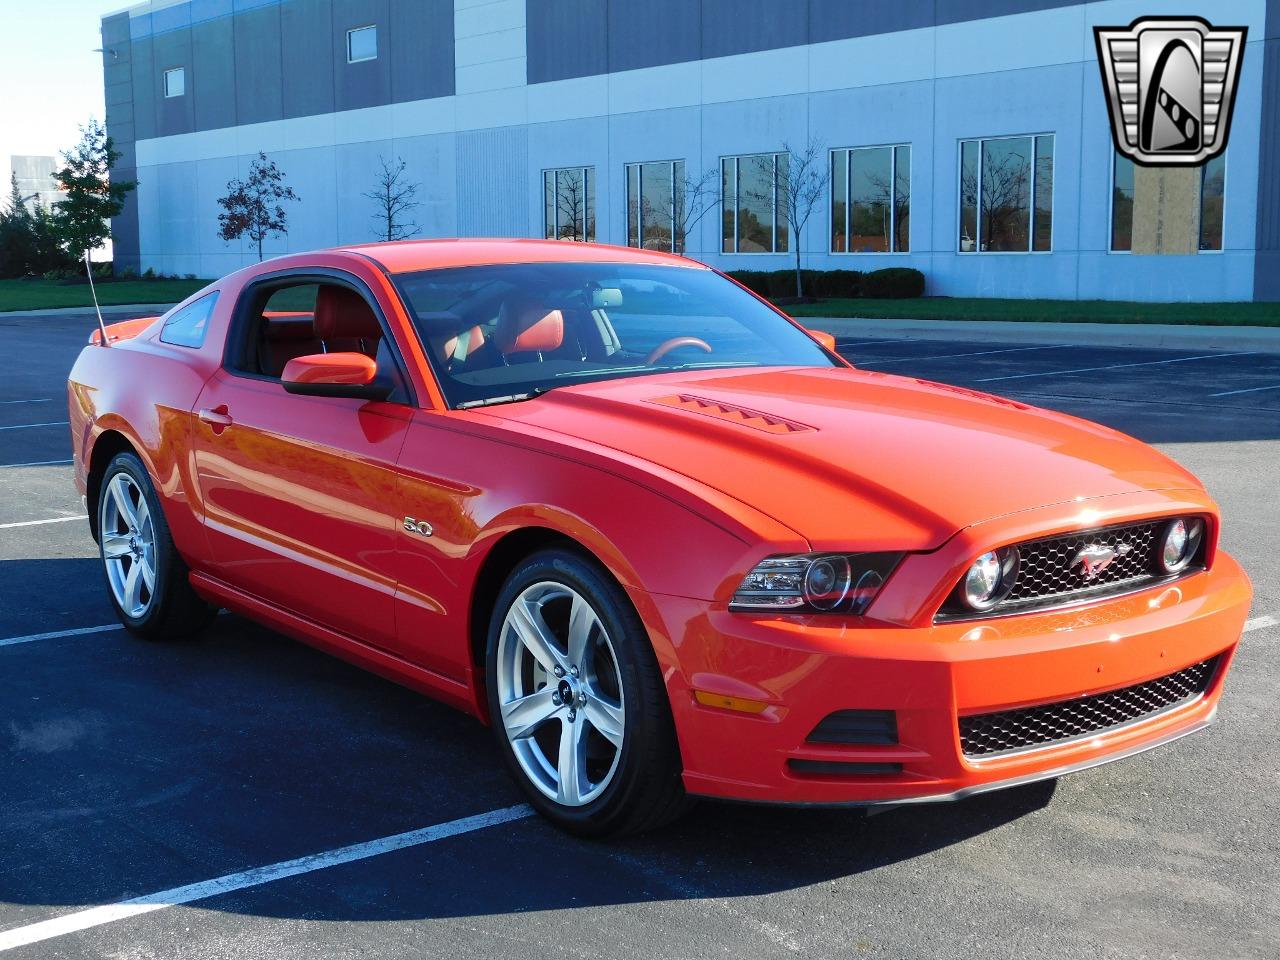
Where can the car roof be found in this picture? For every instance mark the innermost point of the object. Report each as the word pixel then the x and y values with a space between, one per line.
pixel 406 256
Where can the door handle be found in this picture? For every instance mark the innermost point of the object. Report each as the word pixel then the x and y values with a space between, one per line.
pixel 219 418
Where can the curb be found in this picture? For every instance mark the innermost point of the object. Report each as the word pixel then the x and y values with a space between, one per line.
pixel 1170 336
pixel 133 308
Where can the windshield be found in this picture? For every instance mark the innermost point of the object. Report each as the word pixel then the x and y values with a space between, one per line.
pixel 510 331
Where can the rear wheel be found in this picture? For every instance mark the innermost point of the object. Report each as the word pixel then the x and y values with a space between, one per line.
pixel 577 702
pixel 146 578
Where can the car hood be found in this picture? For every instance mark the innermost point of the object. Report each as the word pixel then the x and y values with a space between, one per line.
pixel 848 458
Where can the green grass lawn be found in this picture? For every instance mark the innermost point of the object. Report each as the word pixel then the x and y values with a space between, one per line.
pixel 48 294
pixel 1058 311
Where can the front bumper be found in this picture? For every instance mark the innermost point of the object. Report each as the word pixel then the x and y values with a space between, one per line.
pixel 807 668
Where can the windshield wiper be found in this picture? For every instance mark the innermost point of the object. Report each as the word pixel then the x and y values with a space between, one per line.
pixel 509 398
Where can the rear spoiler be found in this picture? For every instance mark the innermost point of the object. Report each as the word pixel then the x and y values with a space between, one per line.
pixel 124 330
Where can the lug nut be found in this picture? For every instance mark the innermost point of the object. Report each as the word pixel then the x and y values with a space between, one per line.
pixel 573 715
pixel 558 671
pixel 574 671
pixel 582 699
pixel 555 698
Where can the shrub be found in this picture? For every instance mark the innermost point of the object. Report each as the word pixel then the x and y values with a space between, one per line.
pixel 893 283
pixel 833 283
pixel 753 280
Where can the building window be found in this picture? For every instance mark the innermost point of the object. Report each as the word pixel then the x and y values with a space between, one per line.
pixel 655 200
pixel 871 200
pixel 754 200
pixel 175 82
pixel 1213 177
pixel 570 201
pixel 362 44
pixel 1006 195
pixel 1127 204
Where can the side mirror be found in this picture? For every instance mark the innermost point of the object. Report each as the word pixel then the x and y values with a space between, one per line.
pixel 334 375
pixel 824 338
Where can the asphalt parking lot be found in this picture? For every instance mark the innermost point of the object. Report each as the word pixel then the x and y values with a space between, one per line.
pixel 130 769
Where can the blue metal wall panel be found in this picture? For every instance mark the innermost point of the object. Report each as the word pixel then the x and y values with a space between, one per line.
pixel 307 53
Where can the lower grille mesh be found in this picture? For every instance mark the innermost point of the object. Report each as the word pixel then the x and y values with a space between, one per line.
pixel 988 734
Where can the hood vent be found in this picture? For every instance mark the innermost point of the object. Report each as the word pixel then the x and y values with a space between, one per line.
pixel 743 416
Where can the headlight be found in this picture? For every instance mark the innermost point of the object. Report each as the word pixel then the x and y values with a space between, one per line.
pixel 989 579
pixel 1180 544
pixel 821 582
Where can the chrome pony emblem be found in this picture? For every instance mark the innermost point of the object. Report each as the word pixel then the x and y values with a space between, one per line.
pixel 1096 557
pixel 1171 85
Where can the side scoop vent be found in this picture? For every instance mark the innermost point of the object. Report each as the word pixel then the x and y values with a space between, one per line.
pixel 743 416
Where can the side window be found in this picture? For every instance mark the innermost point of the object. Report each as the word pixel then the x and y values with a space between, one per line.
pixel 187 327
pixel 282 321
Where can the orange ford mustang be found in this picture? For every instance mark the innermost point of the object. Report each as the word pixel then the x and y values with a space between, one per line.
pixel 666 542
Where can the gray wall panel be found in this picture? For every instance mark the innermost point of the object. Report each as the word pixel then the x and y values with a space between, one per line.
pixel 492 183
pixel 743 26
pixel 173 114
pixel 307 52
pixel 670 29
pixel 1266 265
pixel 566 38
pixel 212 78
pixel 421 48
pixel 117 73
pixel 367 83
pixel 257 59
pixel 144 79
pixel 840 19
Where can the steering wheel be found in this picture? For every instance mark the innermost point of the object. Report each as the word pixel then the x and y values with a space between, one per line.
pixel 662 349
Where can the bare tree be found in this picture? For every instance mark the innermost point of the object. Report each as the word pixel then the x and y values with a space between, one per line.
pixel 575 218
pixel 1002 210
pixel 395 199
pixel 801 181
pixel 253 207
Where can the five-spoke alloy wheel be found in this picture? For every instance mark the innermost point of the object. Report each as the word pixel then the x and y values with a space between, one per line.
pixel 147 579
pixel 576 699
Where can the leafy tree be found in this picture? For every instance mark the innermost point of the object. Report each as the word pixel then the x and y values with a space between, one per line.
pixel 254 207
pixel 28 242
pixel 394 198
pixel 83 220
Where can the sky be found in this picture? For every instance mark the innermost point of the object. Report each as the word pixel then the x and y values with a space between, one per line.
pixel 50 73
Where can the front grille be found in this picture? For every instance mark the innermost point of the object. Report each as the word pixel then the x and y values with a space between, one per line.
pixel 990 734
pixel 1050 573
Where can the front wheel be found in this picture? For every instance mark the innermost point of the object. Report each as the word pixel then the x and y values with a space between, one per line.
pixel 577 702
pixel 146 578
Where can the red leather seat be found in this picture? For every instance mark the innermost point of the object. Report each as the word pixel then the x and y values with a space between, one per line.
pixel 525 328
pixel 345 322
pixel 284 337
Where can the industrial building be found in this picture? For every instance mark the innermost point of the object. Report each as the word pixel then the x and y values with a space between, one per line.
pixel 968 138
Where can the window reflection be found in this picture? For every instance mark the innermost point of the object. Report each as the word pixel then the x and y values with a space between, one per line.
pixel 569 203
pixel 1212 192
pixel 1122 204
pixel 655 205
pixel 1006 194
pixel 754 207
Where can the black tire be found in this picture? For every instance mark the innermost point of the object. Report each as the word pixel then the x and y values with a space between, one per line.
pixel 173 610
pixel 646 790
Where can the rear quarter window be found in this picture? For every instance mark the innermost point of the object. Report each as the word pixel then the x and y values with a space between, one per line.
pixel 187 327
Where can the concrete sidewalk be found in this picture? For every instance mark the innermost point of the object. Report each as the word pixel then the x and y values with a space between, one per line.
pixel 131 309
pixel 1172 336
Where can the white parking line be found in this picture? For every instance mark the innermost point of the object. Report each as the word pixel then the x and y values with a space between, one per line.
pixel 1261 623
pixel 1232 393
pixel 1116 366
pixel 36 523
pixel 28 426
pixel 57 634
pixel 36 463
pixel 98 916
pixel 37 400
pixel 976 353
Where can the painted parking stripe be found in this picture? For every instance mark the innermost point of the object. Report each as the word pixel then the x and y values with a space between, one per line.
pixel 1232 393
pixel 37 523
pixel 36 463
pixel 1261 623
pixel 977 353
pixel 37 400
pixel 98 916
pixel 58 634
pixel 1116 366
pixel 28 426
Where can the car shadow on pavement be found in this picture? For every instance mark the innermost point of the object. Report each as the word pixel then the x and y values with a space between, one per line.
pixel 130 767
